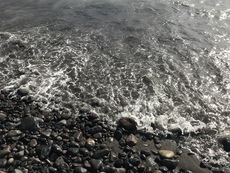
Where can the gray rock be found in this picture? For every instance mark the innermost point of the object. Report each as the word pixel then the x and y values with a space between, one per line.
pixel 73 151
pixel 150 161
pixel 112 156
pixel 127 123
pixel 131 140
pixel 101 153
pixel 33 142
pixel 13 133
pixel 78 136
pixel 5 152
pixel 43 151
pixel 2 116
pixel 30 124
pixel 95 163
pixel 80 170
pixel 61 164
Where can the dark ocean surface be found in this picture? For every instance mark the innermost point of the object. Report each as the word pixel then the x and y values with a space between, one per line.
pixel 162 62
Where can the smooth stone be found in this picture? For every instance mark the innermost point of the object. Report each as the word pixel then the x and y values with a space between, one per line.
pixel 95 163
pixel 80 170
pixel 57 149
pixel 13 133
pixel 84 151
pixel 98 135
pixel 101 153
pixel 2 116
pixel 127 123
pixel 119 170
pixel 90 143
pixel 131 140
pixel 61 164
pixel 134 161
pixel 52 169
pixel 10 161
pixel 226 143
pixel 170 164
pixel 18 171
pixel 78 136
pixel 118 135
pixel 30 124
pixel 22 91
pixel 33 142
pixel 43 151
pixel 46 133
pixel 95 129
pixel 5 152
pixel 73 151
pixel 168 154
pixel 63 122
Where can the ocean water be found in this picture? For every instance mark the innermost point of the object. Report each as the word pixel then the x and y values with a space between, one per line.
pixel 162 62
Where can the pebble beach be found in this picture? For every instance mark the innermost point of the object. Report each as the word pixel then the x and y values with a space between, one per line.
pixel 34 140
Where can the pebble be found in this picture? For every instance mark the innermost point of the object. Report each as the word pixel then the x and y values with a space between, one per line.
pixel 18 171
pixel 170 164
pixel 2 116
pixel 33 142
pixel 101 153
pixel 4 152
pixel 80 170
pixel 30 124
pixel 95 163
pixel 131 140
pixel 127 123
pixel 90 143
pixel 22 92
pixel 13 133
pixel 61 164
pixel 43 151
pixel 150 161
pixel 78 135
pixel 166 154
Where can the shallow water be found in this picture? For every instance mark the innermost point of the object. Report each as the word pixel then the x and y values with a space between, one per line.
pixel 162 62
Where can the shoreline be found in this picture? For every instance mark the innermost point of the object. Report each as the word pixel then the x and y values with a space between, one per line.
pixel 35 140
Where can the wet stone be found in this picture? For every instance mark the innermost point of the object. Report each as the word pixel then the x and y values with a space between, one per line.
pixel 95 163
pixel 101 153
pixel 150 161
pixel 98 135
pixel 170 164
pixel 127 123
pixel 166 154
pixel 22 91
pixel 131 140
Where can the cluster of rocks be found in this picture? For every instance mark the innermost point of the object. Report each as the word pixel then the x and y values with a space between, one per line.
pixel 34 140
